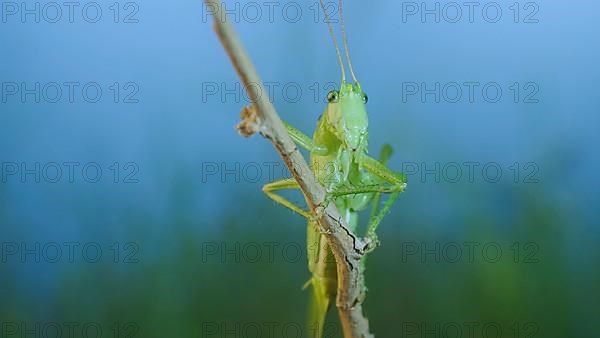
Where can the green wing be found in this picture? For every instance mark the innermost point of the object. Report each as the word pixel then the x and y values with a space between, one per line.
pixel 323 282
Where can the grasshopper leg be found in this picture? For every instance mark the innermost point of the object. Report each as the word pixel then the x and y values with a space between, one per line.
pixel 398 184
pixel 304 141
pixel 397 181
pixel 288 183
pixel 384 156
pixel 377 216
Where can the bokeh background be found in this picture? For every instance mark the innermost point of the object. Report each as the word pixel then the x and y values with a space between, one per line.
pixel 157 226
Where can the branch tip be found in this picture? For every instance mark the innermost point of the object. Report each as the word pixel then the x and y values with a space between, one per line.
pixel 250 121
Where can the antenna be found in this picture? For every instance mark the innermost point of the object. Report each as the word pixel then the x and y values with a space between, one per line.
pixel 346 45
pixel 337 49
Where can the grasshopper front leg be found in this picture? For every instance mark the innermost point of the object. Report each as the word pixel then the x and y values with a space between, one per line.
pixel 304 141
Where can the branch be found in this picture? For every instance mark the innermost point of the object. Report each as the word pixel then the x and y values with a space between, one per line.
pixel 347 248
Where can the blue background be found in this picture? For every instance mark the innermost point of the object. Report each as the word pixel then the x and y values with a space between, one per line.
pixel 181 128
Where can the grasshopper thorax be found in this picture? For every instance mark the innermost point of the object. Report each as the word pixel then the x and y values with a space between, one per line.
pixel 347 117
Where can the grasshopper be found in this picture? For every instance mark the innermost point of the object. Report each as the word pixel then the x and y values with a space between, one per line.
pixel 352 179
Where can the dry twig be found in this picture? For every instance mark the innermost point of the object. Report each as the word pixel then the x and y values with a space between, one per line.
pixel 262 117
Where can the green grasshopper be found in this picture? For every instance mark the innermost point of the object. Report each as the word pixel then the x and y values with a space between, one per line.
pixel 352 179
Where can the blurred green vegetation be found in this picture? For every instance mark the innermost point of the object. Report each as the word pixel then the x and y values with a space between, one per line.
pixel 181 287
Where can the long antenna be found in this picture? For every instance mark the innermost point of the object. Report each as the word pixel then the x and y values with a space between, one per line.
pixel 346 45
pixel 337 49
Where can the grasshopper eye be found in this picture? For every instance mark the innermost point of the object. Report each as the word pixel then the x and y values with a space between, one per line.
pixel 365 98
pixel 333 96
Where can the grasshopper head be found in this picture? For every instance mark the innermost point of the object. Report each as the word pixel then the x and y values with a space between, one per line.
pixel 347 117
